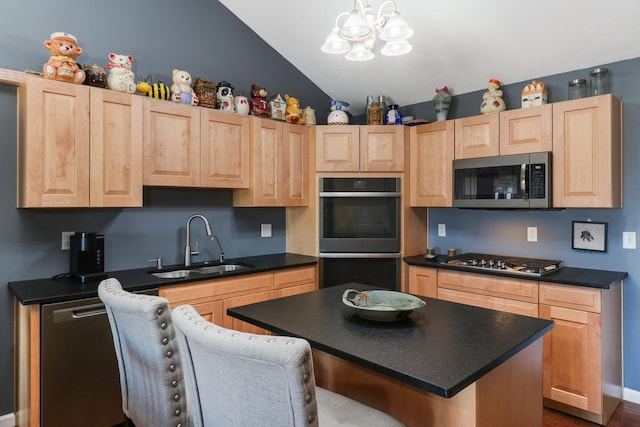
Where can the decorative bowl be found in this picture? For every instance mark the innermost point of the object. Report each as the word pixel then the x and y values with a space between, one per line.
pixel 383 306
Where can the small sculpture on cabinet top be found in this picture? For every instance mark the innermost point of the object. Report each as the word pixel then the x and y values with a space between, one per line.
pixel 154 90
pixel 120 77
pixel 534 94
pixel 259 105
pixel 225 98
pixel 96 76
pixel 338 114
pixel 206 92
pixel 181 90
pixel 442 103
pixel 242 105
pixel 292 111
pixel 62 65
pixel 492 101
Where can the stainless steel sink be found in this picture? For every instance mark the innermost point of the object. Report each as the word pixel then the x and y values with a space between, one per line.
pixel 182 272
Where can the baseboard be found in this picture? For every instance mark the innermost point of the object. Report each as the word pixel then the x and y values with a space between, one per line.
pixel 8 420
pixel 628 395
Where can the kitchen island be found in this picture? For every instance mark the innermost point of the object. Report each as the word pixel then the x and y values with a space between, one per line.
pixel 447 364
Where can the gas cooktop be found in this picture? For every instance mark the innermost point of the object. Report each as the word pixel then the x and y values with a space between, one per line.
pixel 504 264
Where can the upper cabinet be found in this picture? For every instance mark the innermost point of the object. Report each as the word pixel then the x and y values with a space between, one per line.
pixel 194 147
pixel 477 136
pixel 526 130
pixel 431 148
pixel 78 146
pixel 279 165
pixel 587 153
pixel 376 148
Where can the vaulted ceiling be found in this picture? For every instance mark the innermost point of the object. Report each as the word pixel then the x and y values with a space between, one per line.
pixel 458 43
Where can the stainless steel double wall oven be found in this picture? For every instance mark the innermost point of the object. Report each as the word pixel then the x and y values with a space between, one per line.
pixel 360 231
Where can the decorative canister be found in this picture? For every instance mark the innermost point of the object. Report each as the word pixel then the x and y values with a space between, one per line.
pixel 599 81
pixel 442 103
pixel 393 115
pixel 375 114
pixel 309 116
pixel 206 93
pixel 242 105
pixel 577 88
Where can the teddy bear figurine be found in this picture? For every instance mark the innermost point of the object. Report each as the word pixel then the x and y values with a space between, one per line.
pixel 181 90
pixel 120 77
pixel 62 65
pixel 225 99
pixel 292 111
pixel 259 105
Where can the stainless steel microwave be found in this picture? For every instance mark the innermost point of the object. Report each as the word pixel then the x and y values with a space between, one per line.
pixel 518 181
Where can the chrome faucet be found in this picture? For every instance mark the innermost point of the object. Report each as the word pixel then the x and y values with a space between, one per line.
pixel 188 253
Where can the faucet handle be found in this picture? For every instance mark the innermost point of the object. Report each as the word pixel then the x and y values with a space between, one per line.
pixel 158 262
pixel 195 251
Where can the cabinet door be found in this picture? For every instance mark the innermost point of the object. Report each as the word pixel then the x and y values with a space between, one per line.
pixel 337 148
pixel 171 144
pixel 381 148
pixel 572 358
pixel 526 130
pixel 211 311
pixel 431 160
pixel 295 165
pixel 53 166
pixel 477 136
pixel 587 153
pixel 116 149
pixel 237 324
pixel 224 147
pixel 423 281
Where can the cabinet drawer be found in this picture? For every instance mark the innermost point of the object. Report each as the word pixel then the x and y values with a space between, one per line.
pixel 222 288
pixel 294 277
pixel 576 297
pixel 504 287
pixel 493 303
pixel 423 281
pixel 293 290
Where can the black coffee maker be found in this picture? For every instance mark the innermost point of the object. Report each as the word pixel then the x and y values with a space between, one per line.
pixel 86 257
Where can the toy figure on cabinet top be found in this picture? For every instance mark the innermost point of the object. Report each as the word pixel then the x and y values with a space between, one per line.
pixel 154 90
pixel 181 90
pixel 492 101
pixel 225 98
pixel 292 111
pixel 95 76
pixel 62 65
pixel 259 105
pixel 121 78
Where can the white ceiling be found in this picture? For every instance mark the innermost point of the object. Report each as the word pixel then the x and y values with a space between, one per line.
pixel 458 43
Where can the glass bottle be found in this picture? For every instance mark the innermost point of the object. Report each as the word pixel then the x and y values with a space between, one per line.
pixel 375 114
pixel 577 88
pixel 599 81
pixel 383 105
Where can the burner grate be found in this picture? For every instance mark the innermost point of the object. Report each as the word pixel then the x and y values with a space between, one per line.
pixel 505 264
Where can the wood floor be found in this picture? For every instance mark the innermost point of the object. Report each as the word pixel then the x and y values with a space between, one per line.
pixel 627 415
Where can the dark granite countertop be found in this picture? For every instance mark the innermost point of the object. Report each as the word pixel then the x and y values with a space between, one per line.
pixel 44 291
pixel 591 278
pixel 441 348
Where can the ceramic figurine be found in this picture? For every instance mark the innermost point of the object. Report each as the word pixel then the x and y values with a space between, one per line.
pixel 242 105
pixel 338 114
pixel 534 94
pixel 309 116
pixel 442 103
pixel 292 111
pixel 154 90
pixel 62 65
pixel 95 76
pixel 259 105
pixel 120 77
pixel 492 101
pixel 277 107
pixel 225 99
pixel 181 90
pixel 206 93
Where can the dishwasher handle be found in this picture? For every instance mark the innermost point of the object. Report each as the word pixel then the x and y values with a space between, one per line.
pixel 76 313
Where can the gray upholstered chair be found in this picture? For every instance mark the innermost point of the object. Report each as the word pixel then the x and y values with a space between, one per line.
pixel 151 370
pixel 241 379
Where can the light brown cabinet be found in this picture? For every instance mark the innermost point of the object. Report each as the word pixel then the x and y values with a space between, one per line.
pixel 78 147
pixel 431 150
pixel 526 130
pixel 279 165
pixel 477 136
pixel 587 153
pixel 351 148
pixel 186 146
pixel 212 298
pixel 582 354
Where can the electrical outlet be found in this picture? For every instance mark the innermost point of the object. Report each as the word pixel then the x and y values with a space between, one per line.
pixel 66 240
pixel 442 230
pixel 628 240
pixel 532 234
pixel 265 230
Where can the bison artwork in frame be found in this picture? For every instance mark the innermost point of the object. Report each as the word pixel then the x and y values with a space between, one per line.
pixel 589 236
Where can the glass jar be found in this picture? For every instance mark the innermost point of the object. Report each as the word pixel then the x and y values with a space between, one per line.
pixel 599 81
pixel 577 88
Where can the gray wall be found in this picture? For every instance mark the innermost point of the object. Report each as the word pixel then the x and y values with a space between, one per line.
pixel 504 232
pixel 202 37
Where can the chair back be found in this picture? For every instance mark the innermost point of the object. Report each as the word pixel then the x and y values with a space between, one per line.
pixel 242 379
pixel 151 371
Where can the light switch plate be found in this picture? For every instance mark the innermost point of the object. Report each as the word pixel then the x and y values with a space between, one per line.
pixel 66 240
pixel 532 234
pixel 442 230
pixel 628 240
pixel 265 230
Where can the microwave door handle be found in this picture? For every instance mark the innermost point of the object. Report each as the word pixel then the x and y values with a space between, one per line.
pixel 523 180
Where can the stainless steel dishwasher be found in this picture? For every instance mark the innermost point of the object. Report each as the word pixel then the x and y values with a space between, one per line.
pixel 80 383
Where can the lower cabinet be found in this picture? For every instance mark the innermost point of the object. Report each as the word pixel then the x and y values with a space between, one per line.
pixel 212 298
pixel 582 355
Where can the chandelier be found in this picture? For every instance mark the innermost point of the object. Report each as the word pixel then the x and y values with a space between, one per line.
pixel 357 36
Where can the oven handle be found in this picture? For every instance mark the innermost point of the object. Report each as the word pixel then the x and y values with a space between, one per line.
pixel 359 194
pixel 359 255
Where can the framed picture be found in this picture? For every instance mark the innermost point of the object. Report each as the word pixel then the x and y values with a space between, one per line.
pixel 589 236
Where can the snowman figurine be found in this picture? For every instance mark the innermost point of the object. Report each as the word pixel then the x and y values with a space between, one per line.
pixel 492 101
